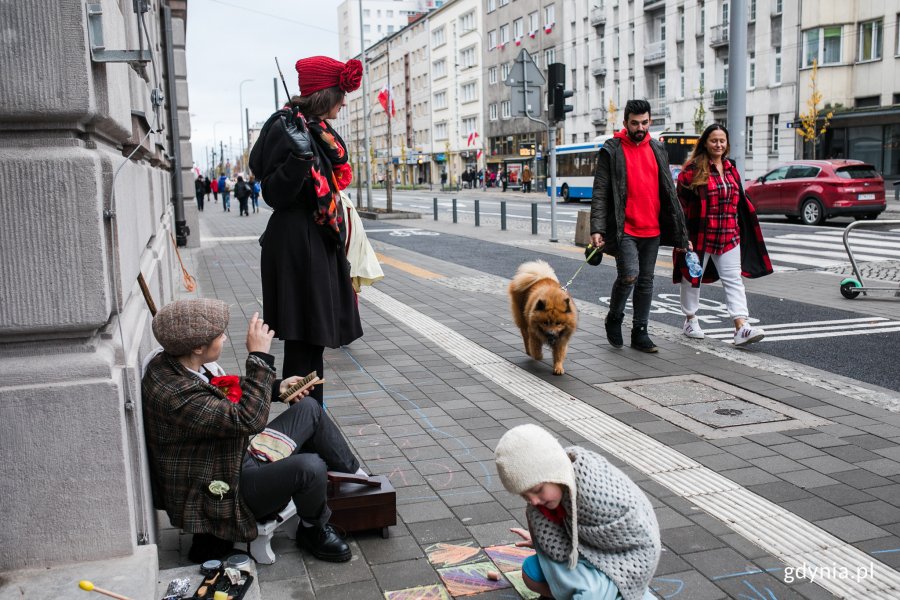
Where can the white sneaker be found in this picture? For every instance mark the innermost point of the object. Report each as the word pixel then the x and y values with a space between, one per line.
pixel 748 334
pixel 692 328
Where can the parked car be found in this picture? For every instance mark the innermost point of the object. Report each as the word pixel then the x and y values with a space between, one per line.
pixel 815 190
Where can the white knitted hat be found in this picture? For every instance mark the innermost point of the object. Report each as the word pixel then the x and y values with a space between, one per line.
pixel 528 455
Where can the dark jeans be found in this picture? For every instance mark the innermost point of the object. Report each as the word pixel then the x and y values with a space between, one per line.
pixel 243 205
pixel 302 359
pixel 635 264
pixel 266 487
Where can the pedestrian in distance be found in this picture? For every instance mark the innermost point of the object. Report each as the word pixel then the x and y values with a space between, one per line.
pixel 302 162
pixel 214 187
pixel 593 530
pixel 254 193
pixel 503 181
pixel 224 184
pixel 526 179
pixel 242 192
pixel 208 475
pixel 634 209
pixel 725 232
pixel 207 187
pixel 200 192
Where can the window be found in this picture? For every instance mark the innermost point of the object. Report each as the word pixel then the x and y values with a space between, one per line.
pixel 467 21
pixel 802 172
pixel 631 38
pixel 469 124
pixel 777 74
pixel 823 45
pixel 438 37
pixel 680 33
pixel 504 109
pixel 504 34
pixel 778 7
pixel 751 70
pixel 504 71
pixel 725 10
pixel 773 134
pixel 533 22
pixel 777 175
pixel 725 73
pixel 440 100
pixel 389 14
pixel 439 68
pixel 549 56
pixel 518 28
pixel 866 101
pixel 702 77
pixel 897 29
pixel 469 92
pixel 366 13
pixel 492 75
pixel 870 41
pixel 681 83
pixel 492 112
pixel 549 15
pixel 390 29
pixel 467 58
pixel 616 43
pixel 572 83
pixel 661 85
pixel 749 145
pixel 702 11
pixel 491 5
pixel 492 39
pixel 752 10
pixel 440 131
pixel 367 28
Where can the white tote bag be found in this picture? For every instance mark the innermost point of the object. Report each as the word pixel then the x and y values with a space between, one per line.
pixel 364 267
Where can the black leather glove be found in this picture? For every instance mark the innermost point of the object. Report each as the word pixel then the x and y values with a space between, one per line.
pixel 298 134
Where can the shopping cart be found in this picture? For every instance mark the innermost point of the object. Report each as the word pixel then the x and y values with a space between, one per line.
pixel 853 287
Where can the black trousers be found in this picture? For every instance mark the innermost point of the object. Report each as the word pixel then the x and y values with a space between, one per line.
pixel 266 487
pixel 302 359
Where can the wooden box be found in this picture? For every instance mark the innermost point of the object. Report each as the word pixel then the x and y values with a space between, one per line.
pixel 362 506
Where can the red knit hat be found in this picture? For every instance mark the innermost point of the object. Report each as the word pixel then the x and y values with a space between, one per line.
pixel 320 72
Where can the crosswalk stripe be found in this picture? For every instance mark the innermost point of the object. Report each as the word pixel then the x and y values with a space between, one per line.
pixel 827 334
pixel 859 234
pixel 831 242
pixel 821 328
pixel 806 324
pixel 872 246
pixel 825 254
pixel 800 259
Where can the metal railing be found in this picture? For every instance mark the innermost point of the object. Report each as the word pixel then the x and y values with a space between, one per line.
pixel 598 116
pixel 598 16
pixel 720 97
pixel 718 35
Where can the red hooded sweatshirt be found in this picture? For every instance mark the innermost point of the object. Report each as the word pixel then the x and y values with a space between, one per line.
pixel 642 202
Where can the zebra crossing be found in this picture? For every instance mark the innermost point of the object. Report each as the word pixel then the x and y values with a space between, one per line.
pixel 785 332
pixel 825 248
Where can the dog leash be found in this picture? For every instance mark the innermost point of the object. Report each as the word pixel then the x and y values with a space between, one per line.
pixel 589 257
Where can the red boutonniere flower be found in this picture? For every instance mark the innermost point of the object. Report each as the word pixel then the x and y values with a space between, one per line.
pixel 230 385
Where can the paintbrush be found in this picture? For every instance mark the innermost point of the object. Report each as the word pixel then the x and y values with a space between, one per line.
pixel 89 587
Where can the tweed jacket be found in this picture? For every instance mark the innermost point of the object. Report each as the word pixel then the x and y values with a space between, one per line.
pixel 611 191
pixel 195 435
pixel 617 529
pixel 754 256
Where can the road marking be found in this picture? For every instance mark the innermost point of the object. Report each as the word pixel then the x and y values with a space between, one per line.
pixel 407 267
pixel 794 541
pixel 823 253
pixel 784 332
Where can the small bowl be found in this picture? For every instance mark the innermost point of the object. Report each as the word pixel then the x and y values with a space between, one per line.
pixel 238 561
pixel 210 567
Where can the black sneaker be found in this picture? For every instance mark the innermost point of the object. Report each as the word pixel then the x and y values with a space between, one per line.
pixel 640 340
pixel 324 543
pixel 614 331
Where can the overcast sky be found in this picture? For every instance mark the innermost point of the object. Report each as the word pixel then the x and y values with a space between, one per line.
pixel 232 40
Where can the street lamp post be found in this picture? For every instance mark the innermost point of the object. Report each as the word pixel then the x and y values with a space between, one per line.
pixel 221 156
pixel 241 97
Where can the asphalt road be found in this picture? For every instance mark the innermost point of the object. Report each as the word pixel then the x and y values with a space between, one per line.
pixel 859 356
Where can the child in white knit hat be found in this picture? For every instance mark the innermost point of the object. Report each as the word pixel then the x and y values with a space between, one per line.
pixel 594 531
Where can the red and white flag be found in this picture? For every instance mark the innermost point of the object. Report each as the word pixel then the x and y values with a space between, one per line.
pixel 385 96
pixel 473 137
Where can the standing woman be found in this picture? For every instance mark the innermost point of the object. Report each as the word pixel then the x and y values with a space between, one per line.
pixel 724 230
pixel 308 296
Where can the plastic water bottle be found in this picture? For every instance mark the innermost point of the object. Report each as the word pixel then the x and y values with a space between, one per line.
pixel 693 264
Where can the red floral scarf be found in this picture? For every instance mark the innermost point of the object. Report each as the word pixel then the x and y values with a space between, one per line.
pixel 332 168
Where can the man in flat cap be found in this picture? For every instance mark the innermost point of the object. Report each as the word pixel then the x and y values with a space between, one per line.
pixel 207 475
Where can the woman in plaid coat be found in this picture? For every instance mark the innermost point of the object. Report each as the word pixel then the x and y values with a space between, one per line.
pixel 724 231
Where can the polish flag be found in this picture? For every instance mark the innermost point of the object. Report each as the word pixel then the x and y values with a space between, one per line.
pixel 549 28
pixel 384 96
pixel 473 137
pixel 518 41
pixel 478 156
pixel 531 34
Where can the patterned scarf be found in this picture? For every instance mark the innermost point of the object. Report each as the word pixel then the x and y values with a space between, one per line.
pixel 332 174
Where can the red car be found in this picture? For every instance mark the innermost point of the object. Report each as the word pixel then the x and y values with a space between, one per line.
pixel 815 190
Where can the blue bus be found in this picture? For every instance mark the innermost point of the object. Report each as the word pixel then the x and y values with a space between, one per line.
pixel 576 163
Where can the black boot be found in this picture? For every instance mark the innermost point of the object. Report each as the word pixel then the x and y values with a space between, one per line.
pixel 640 340
pixel 324 543
pixel 614 331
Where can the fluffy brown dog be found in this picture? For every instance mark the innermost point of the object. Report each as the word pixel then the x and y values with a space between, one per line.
pixel 543 311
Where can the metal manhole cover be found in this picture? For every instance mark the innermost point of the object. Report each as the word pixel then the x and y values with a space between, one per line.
pixel 728 413
pixel 686 392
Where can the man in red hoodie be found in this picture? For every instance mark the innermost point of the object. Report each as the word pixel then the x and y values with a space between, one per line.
pixel 634 209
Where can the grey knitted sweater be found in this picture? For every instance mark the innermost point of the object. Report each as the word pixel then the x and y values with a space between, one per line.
pixel 616 526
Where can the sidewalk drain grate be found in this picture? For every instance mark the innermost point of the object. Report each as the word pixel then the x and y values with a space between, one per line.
pixel 710 408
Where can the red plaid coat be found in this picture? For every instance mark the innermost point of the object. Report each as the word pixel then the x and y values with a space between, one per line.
pixel 754 257
pixel 195 435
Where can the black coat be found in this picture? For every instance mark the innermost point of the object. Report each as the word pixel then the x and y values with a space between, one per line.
pixel 307 292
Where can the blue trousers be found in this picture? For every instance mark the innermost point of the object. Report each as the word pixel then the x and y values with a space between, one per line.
pixel 584 582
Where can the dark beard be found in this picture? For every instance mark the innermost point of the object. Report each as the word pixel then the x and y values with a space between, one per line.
pixel 637 140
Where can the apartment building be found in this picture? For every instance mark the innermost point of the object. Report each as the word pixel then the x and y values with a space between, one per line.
pixel 856 46
pixel 535 25
pixel 381 18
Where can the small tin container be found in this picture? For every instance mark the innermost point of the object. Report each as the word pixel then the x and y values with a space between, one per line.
pixel 210 567
pixel 238 561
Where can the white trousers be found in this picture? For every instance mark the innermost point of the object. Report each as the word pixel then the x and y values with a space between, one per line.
pixel 729 267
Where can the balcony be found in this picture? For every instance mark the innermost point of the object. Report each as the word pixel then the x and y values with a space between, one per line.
pixel 720 98
pixel 598 116
pixel 658 107
pixel 718 36
pixel 598 67
pixel 653 4
pixel 655 53
pixel 598 16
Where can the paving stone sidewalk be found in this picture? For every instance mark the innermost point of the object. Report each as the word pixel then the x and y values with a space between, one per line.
pixel 427 420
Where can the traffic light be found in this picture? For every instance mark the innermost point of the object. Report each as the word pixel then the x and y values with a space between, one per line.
pixel 557 92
